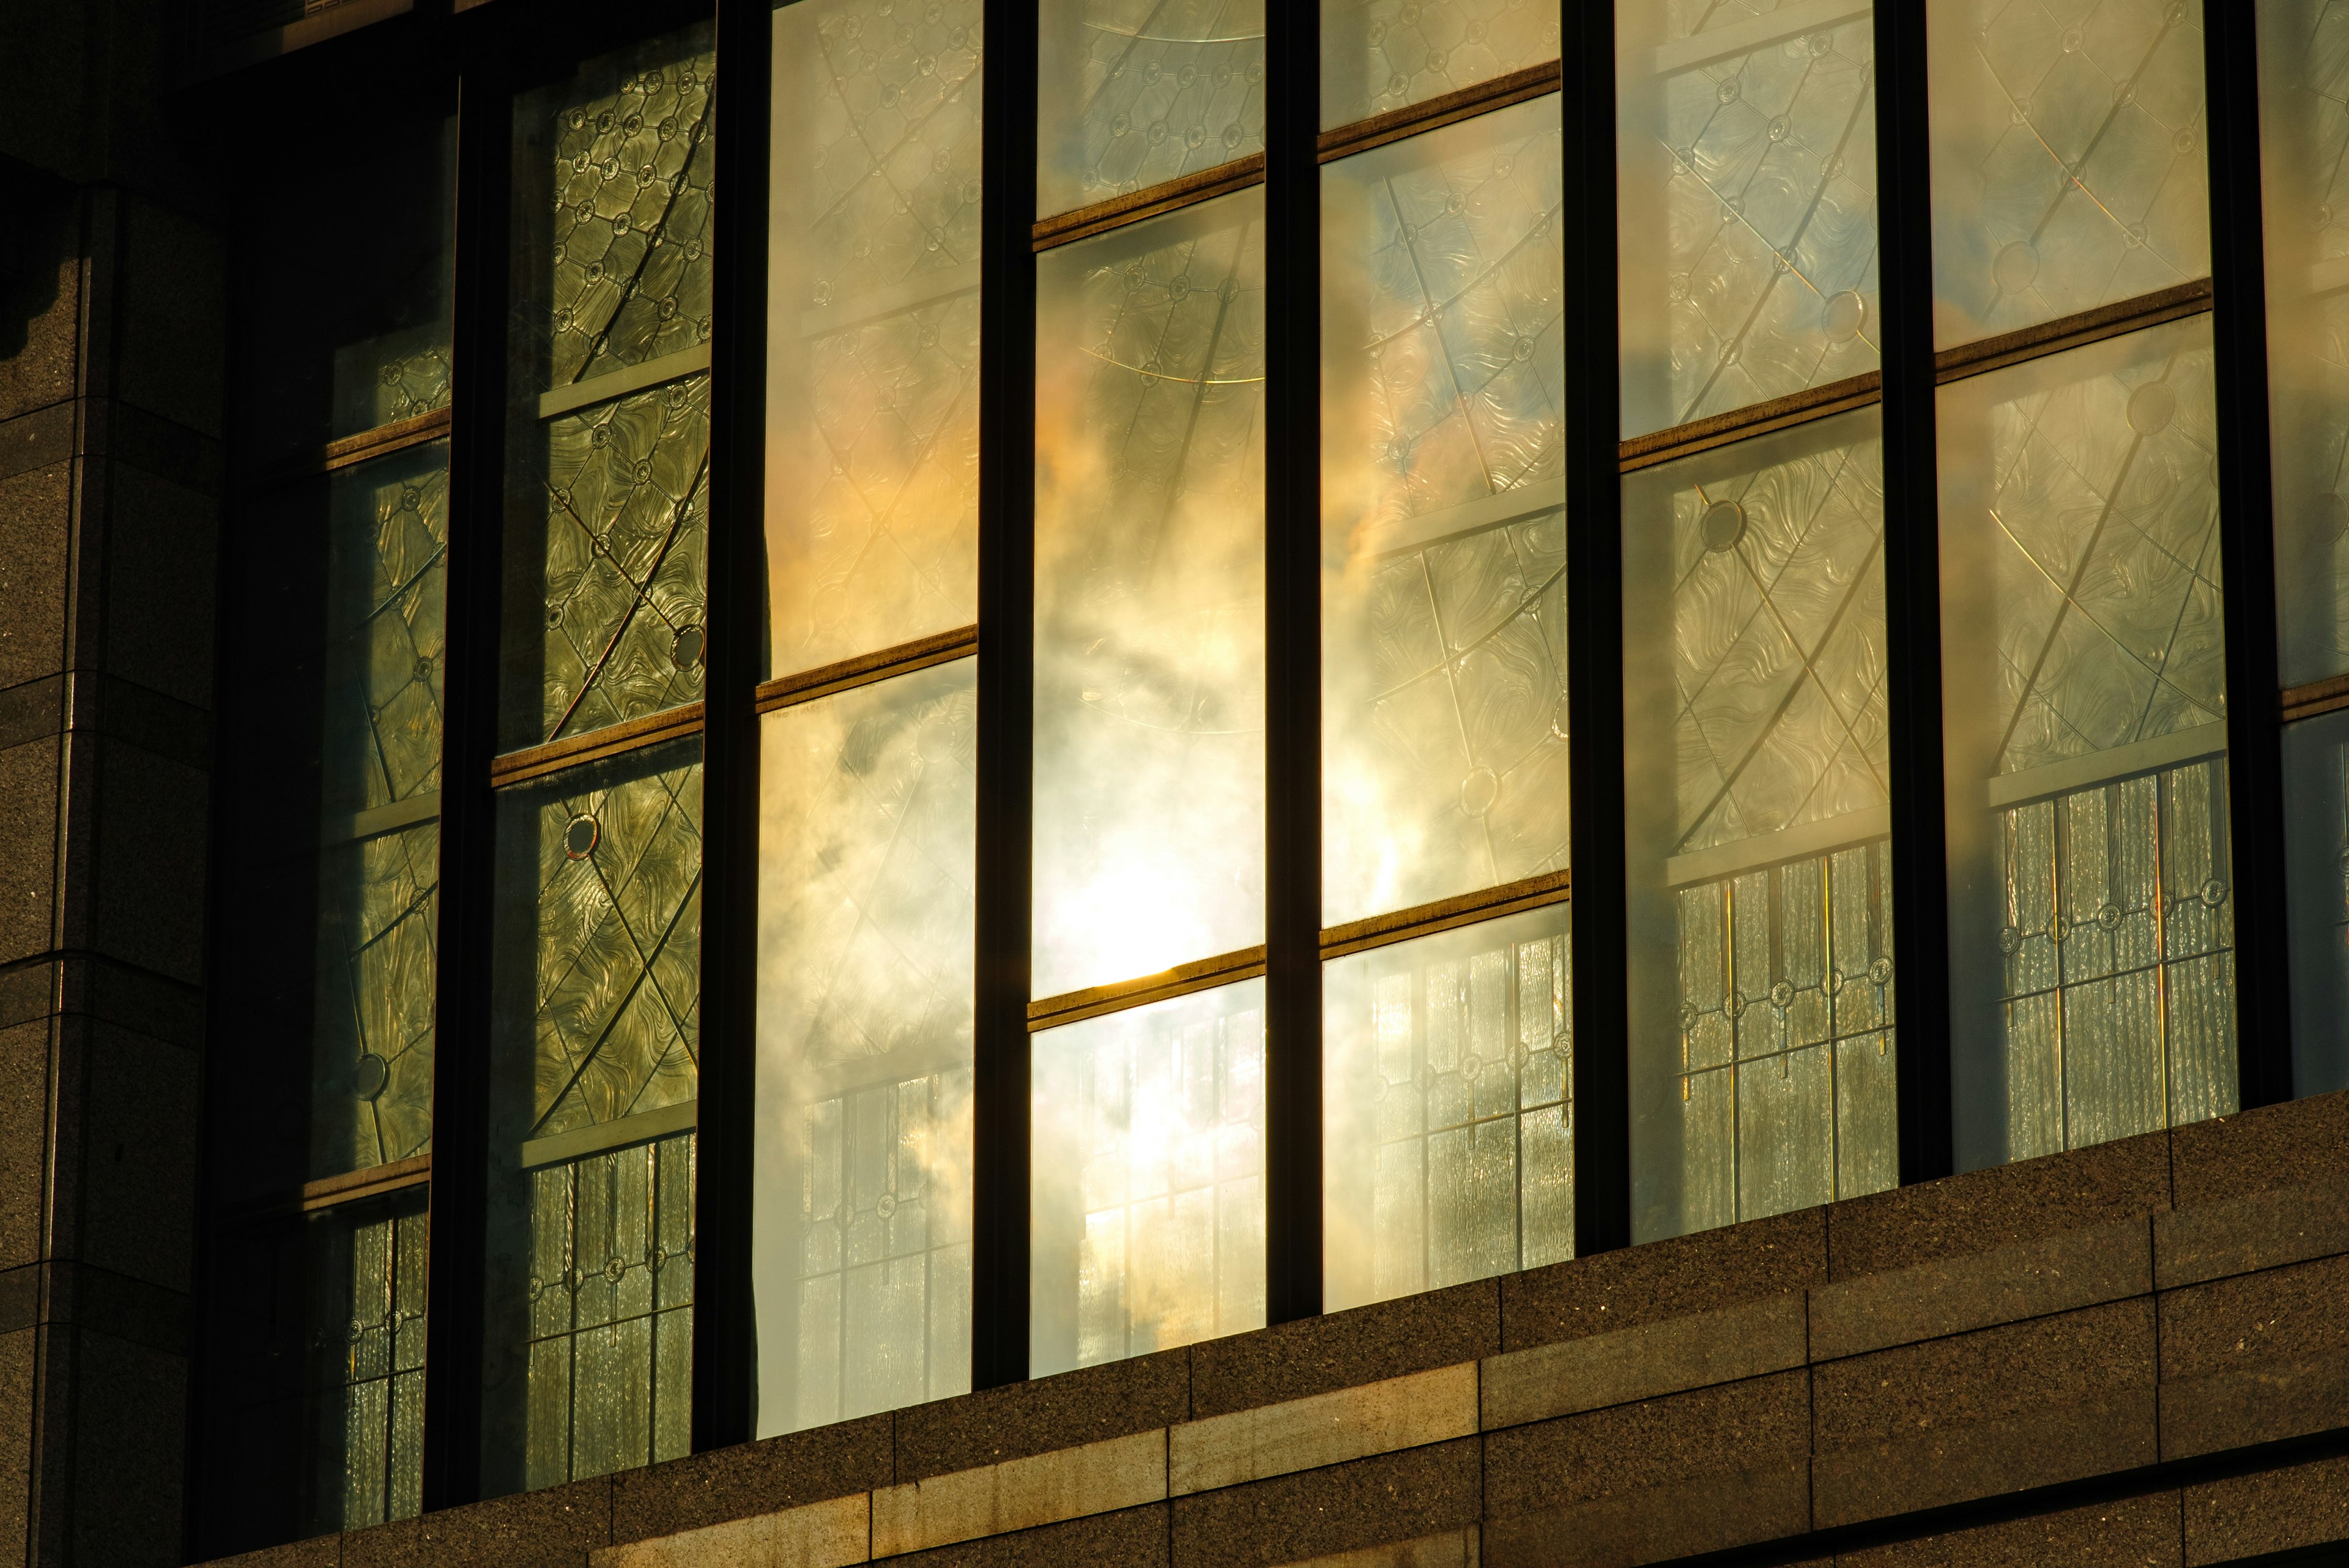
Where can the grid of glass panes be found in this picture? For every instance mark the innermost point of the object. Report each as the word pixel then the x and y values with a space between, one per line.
pixel 366 1354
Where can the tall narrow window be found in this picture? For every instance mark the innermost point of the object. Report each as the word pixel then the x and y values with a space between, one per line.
pixel 1135 93
pixel 597 969
pixel 861 1251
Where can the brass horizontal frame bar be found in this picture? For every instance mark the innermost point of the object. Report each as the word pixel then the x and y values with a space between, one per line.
pixel 372 1182
pixel 867 667
pixel 2071 331
pixel 1446 914
pixel 1757 418
pixel 351 450
pixel 1076 1006
pixel 612 741
pixel 2327 696
pixel 1447 109
pixel 1171 196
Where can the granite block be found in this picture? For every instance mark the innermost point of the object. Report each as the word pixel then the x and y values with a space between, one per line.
pixel 1324 1429
pixel 1999 1410
pixel 2280 1510
pixel 173 299
pixel 23 1139
pixel 161 541
pixel 1111 1400
pixel 1659 1279
pixel 129 1431
pixel 46 309
pixel 1343 1508
pixel 2132 1533
pixel 36 440
pixel 36 542
pixel 2259 1230
pixel 150 859
pixel 1859 1312
pixel 2301 1143
pixel 318 1552
pixel 17 1426
pixel 2255 1358
pixel 1136 1538
pixel 1690 1473
pixel 750 1478
pixel 28 846
pixel 557 1527
pixel 1019 1494
pixel 1451 1549
pixel 1626 1364
pixel 137 1215
pixel 1363 1345
pixel 831 1534
pixel 1982 1210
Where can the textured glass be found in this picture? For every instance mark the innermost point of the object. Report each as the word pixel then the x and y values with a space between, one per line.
pixel 2303 139
pixel 860 1227
pixel 2085 698
pixel 1443 537
pixel 379 860
pixel 1746 139
pixel 1760 914
pixel 2068 168
pixel 1378 56
pixel 1149 846
pixel 2316 884
pixel 1447 1109
pixel 1148 1207
pixel 612 187
pixel 872 328
pixel 611 1321
pixel 367 1362
pixel 1133 93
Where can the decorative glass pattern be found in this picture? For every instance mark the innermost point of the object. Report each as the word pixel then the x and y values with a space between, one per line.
pixel 2084 691
pixel 1762 951
pixel 862 1206
pixel 366 1356
pixel 1133 93
pixel 1448 1114
pixel 379 869
pixel 611 1325
pixel 2316 884
pixel 1747 144
pixel 626 487
pixel 1149 845
pixel 613 190
pixel 1378 56
pixel 873 412
pixel 2068 166
pixel 2304 140
pixel 1149 1179
pixel 1443 589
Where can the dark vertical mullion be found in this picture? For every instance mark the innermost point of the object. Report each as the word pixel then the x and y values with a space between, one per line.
pixel 1007 594
pixel 1602 1083
pixel 2247 555
pixel 461 1082
pixel 1292 519
pixel 1912 591
pixel 724 1326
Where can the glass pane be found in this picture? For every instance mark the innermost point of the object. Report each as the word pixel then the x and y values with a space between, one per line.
pixel 2303 135
pixel 596 1025
pixel 1757 833
pixel 1150 596
pixel 2317 881
pixel 1443 537
pixel 1149 1179
pixel 1746 137
pixel 1378 56
pixel 2083 676
pixel 610 436
pixel 1448 1109
pixel 861 1243
pixel 2068 169
pixel 366 1359
pixel 1133 93
pixel 873 324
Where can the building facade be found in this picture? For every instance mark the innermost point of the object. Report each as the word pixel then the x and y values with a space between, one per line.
pixel 1059 604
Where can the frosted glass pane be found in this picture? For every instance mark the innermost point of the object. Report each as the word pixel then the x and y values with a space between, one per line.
pixel 2084 698
pixel 2304 137
pixel 872 328
pixel 2317 881
pixel 1150 596
pixel 1148 1206
pixel 1443 586
pixel 1447 1109
pixel 1378 56
pixel 2068 166
pixel 1757 828
pixel 1133 93
pixel 1746 139
pixel 365 1321
pixel 860 1207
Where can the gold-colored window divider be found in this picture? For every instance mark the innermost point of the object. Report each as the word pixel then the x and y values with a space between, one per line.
pixel 1181 980
pixel 2316 697
pixel 1754 419
pixel 1155 200
pixel 611 740
pixel 348 452
pixel 333 1191
pixel 1446 109
pixel 1447 914
pixel 806 685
